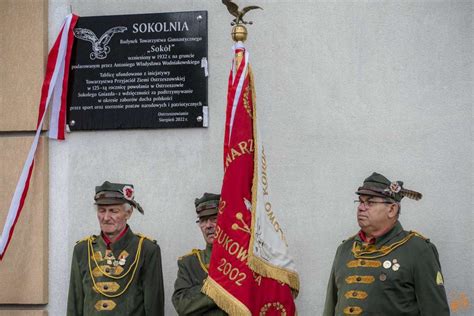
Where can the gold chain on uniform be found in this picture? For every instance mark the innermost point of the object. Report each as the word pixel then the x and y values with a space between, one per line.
pixel 90 251
pixel 110 275
pixel 381 252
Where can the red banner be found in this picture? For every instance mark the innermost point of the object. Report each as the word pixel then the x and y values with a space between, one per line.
pixel 231 283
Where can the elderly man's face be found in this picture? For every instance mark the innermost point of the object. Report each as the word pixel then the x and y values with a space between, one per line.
pixel 375 214
pixel 113 218
pixel 208 228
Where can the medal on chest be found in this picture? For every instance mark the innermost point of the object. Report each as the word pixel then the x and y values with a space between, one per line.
pixel 394 264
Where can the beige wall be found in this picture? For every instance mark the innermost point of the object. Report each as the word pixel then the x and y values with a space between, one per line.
pixel 23 49
pixel 25 265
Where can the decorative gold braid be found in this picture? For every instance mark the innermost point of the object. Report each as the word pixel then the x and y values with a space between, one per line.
pixel 136 261
pixel 122 275
pixel 417 234
pixel 255 178
pixel 85 239
pixel 381 252
pixel 146 237
pixel 198 255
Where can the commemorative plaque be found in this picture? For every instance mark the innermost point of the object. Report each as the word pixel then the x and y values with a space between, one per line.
pixel 139 71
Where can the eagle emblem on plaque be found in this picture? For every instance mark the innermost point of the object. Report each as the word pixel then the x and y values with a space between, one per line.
pixel 100 49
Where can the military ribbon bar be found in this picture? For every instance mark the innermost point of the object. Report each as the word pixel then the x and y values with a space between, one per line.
pixel 54 90
pixel 233 283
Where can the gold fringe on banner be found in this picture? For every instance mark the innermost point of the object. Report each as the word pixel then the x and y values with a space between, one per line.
pixel 224 299
pixel 255 263
pixel 268 270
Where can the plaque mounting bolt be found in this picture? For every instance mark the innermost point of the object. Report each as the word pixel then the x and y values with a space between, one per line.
pixel 72 123
pixel 199 18
pixel 199 118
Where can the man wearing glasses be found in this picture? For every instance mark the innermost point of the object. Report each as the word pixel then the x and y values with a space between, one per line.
pixel 192 268
pixel 383 269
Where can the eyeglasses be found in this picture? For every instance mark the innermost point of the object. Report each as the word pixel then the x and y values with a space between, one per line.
pixel 203 221
pixel 370 203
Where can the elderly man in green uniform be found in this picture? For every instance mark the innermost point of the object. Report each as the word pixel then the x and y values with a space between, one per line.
pixel 385 270
pixel 116 272
pixel 192 268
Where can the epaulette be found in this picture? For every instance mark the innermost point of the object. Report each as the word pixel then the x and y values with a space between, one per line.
pixel 93 237
pixel 417 234
pixel 146 237
pixel 194 251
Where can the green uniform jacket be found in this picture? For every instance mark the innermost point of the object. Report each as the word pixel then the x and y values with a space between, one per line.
pixel 404 282
pixel 145 294
pixel 187 297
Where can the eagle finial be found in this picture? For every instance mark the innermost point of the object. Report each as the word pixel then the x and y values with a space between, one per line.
pixel 239 15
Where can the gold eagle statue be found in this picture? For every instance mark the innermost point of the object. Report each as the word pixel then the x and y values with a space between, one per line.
pixel 239 15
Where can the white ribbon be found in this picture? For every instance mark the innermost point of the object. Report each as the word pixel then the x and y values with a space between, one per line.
pixel 55 90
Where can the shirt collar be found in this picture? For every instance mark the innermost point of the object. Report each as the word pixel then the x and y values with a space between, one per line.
pixel 363 237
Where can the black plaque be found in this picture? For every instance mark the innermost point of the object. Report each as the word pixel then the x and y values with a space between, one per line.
pixel 139 71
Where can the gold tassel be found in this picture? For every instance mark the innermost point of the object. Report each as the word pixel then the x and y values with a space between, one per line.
pixel 279 274
pixel 224 299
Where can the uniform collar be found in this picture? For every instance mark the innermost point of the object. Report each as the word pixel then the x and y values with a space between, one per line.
pixel 387 237
pixel 122 242
pixel 391 234
pixel 108 242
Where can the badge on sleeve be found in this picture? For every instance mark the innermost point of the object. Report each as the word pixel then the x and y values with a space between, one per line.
pixel 439 278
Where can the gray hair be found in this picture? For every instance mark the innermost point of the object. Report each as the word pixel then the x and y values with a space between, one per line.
pixel 127 207
pixel 398 204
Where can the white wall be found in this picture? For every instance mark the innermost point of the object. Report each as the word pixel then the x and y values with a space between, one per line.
pixel 346 88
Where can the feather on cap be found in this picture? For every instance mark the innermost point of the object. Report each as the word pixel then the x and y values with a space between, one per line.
pixel 378 185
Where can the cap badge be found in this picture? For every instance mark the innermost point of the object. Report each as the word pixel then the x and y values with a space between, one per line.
pixel 128 192
pixel 393 188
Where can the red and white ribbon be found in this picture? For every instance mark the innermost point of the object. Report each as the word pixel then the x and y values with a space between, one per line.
pixel 236 82
pixel 55 90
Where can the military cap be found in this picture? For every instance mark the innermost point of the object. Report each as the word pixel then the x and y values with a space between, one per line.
pixel 207 204
pixel 378 185
pixel 116 193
